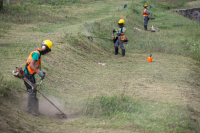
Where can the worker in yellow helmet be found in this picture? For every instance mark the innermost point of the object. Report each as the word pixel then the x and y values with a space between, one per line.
pixel 120 37
pixel 32 64
pixel 145 16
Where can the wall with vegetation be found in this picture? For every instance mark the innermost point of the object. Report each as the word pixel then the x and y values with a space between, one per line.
pixel 193 14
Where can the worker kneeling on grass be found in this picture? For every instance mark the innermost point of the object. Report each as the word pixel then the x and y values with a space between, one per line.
pixel 31 68
pixel 145 16
pixel 120 37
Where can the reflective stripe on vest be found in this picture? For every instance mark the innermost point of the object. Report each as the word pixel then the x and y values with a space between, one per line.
pixel 36 64
pixel 145 13
pixel 122 36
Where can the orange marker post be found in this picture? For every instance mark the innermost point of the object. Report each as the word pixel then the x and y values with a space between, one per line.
pixel 149 59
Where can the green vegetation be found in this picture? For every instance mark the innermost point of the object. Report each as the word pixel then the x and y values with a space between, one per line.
pixel 127 110
pixel 127 94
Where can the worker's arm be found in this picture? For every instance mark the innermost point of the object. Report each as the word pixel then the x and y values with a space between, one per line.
pixel 147 12
pixel 122 32
pixel 42 75
pixel 33 67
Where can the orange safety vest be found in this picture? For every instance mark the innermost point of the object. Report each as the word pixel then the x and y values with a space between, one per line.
pixel 122 36
pixel 145 13
pixel 37 63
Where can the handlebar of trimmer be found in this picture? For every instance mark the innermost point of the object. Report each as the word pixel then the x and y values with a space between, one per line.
pixel 31 84
pixel 41 79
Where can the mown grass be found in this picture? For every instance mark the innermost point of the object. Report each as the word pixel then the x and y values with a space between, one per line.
pixel 73 76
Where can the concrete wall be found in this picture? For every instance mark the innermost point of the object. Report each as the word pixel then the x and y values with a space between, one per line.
pixel 193 14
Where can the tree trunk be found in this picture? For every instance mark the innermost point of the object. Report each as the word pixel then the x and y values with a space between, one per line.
pixel 7 1
pixel 1 5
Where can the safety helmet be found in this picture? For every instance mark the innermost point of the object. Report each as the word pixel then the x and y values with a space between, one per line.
pixel 121 21
pixel 145 5
pixel 47 43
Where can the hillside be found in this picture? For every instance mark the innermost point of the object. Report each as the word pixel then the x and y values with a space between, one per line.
pixel 128 94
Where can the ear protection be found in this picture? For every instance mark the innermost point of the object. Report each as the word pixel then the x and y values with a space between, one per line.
pixel 43 47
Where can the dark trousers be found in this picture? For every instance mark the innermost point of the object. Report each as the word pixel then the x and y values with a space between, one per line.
pixel 119 42
pixel 32 100
pixel 146 20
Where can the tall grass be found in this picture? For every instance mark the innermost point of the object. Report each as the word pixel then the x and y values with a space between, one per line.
pixel 126 111
pixel 169 4
pixel 7 86
pixel 57 2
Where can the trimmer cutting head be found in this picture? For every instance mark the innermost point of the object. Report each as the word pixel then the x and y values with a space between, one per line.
pixel 90 37
pixel 64 116
pixel 61 115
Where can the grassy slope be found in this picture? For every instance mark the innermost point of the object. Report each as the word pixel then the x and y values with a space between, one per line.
pixel 163 89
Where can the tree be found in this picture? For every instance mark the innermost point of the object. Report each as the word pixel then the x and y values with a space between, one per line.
pixel 1 5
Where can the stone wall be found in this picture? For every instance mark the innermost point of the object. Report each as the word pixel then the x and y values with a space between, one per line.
pixel 193 14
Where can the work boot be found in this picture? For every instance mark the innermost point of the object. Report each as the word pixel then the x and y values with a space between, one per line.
pixel 145 27
pixel 116 50
pixel 123 52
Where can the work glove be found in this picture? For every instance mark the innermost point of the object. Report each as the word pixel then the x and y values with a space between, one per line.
pixel 114 30
pixel 118 34
pixel 42 75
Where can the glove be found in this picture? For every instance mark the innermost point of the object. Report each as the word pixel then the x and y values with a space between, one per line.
pixel 114 30
pixel 118 34
pixel 42 75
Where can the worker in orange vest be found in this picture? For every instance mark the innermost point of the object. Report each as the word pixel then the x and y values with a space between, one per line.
pixel 120 37
pixel 145 16
pixel 32 64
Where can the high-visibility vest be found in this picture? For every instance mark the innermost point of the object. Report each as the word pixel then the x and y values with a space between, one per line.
pixel 145 13
pixel 122 36
pixel 37 63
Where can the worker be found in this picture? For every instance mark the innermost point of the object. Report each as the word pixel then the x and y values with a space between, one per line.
pixel 120 37
pixel 32 64
pixel 145 16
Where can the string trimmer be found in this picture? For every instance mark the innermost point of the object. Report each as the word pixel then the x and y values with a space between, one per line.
pixel 91 38
pixel 19 73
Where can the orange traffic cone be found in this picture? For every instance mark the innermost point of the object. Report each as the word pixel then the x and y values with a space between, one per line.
pixel 149 59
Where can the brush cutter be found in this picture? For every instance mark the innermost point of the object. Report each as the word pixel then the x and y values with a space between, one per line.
pixel 152 27
pixel 91 38
pixel 18 72
pixel 114 39
pixel 151 18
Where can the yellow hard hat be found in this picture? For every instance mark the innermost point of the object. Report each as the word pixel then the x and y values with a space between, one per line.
pixel 145 5
pixel 48 43
pixel 121 21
